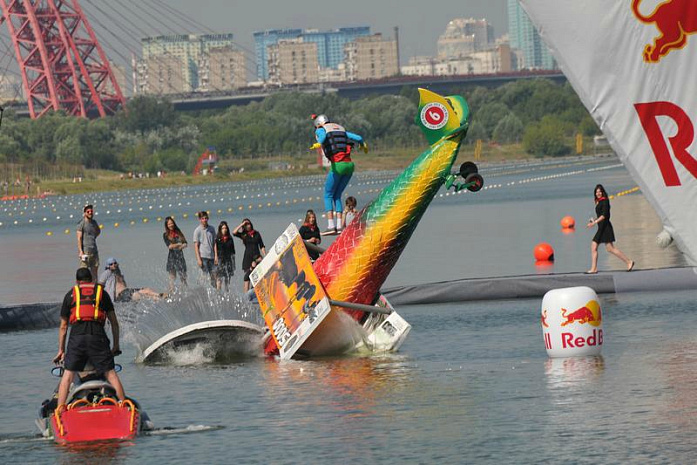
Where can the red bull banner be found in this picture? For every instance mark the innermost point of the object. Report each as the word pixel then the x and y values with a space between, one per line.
pixel 291 297
pixel 631 62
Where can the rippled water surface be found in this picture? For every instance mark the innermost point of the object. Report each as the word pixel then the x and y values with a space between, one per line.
pixel 472 382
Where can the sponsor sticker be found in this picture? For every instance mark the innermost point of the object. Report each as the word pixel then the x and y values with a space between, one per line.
pixel 434 115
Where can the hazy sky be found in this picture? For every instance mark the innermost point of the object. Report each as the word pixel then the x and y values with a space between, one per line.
pixel 420 21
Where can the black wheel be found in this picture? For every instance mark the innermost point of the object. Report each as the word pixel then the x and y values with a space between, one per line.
pixel 468 168
pixel 475 182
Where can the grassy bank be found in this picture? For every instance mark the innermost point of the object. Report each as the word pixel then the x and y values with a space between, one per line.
pixel 250 169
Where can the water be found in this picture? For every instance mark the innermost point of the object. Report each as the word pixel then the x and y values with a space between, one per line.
pixel 472 382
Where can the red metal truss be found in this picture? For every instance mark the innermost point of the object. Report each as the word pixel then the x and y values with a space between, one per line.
pixel 62 64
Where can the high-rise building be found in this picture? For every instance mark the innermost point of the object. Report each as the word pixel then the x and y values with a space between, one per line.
pixel 264 39
pixel 11 88
pixel 120 77
pixel 188 49
pixel 222 68
pixel 524 37
pixel 464 36
pixel 293 61
pixel 371 57
pixel 494 60
pixel 161 74
pixel 330 44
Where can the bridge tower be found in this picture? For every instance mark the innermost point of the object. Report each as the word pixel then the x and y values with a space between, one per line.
pixel 63 66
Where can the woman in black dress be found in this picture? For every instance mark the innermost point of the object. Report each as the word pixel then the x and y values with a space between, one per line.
pixel 605 234
pixel 226 256
pixel 176 243
pixel 254 248
pixel 309 231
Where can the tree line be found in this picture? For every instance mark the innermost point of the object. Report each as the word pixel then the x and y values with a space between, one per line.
pixel 151 136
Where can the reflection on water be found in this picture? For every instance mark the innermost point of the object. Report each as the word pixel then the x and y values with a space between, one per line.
pixel 103 453
pixel 680 366
pixel 351 385
pixel 570 374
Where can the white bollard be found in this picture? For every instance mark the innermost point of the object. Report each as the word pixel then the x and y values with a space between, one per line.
pixel 572 322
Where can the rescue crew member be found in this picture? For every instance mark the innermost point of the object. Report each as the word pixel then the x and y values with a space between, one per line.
pixel 86 307
pixel 336 144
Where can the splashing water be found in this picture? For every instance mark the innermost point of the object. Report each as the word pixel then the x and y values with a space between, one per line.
pixel 146 321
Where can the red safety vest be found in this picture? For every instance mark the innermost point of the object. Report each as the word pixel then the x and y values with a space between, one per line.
pixel 87 299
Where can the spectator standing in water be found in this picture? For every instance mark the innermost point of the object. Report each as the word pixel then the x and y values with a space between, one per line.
pixel 350 211
pixel 605 234
pixel 176 243
pixel 204 247
pixel 309 231
pixel 336 144
pixel 254 248
pixel 225 250
pixel 87 232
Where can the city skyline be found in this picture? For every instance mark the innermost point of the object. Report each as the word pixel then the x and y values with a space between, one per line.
pixel 419 24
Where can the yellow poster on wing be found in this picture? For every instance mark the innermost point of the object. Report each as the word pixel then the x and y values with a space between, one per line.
pixel 291 297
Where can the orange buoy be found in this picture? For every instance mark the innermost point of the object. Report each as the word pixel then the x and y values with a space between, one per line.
pixel 568 222
pixel 544 252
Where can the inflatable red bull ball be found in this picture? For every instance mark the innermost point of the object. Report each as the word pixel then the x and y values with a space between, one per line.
pixel 568 222
pixel 544 252
pixel 572 322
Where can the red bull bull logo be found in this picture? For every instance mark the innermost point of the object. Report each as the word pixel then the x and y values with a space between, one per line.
pixel 590 313
pixel 675 21
pixel 576 330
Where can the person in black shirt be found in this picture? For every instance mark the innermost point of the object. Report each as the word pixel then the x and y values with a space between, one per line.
pixel 254 248
pixel 176 243
pixel 86 307
pixel 226 256
pixel 605 234
pixel 309 231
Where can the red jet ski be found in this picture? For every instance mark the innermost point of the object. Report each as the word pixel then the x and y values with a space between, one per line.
pixel 93 413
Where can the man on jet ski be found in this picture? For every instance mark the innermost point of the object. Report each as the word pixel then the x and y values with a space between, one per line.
pixel 86 307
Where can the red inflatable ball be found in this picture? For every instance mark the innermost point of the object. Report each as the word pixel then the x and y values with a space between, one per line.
pixel 544 252
pixel 568 222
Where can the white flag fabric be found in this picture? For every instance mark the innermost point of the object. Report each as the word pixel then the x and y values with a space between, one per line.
pixel 632 64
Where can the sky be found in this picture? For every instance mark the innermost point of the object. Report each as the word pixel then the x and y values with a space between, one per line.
pixel 420 22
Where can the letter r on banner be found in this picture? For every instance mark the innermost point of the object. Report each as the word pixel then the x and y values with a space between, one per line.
pixel 680 142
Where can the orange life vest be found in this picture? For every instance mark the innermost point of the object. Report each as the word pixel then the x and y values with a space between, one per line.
pixel 87 299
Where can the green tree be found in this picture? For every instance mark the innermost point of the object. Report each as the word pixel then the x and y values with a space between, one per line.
pixel 69 150
pixel 588 127
pixel 9 147
pixel 546 138
pixel 476 132
pixel 490 115
pixel 146 113
pixel 509 130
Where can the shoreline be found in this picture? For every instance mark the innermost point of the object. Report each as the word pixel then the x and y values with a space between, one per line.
pixel 110 181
